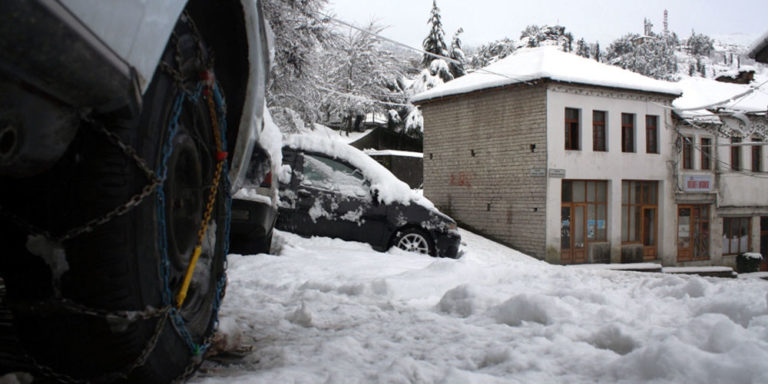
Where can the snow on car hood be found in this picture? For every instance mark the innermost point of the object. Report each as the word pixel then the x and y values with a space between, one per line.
pixel 390 188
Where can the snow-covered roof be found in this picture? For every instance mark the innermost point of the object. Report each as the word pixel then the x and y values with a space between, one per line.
pixel 390 188
pixel 530 64
pixel 701 96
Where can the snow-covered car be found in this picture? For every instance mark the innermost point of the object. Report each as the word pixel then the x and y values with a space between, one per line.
pixel 124 128
pixel 328 188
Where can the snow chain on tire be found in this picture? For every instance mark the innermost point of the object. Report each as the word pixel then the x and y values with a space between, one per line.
pixel 206 88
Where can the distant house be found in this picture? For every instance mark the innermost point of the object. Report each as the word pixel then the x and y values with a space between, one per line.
pixel 558 156
pixel 399 153
pixel 722 193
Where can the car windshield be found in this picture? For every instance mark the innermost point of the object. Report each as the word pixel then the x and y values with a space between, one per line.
pixel 322 172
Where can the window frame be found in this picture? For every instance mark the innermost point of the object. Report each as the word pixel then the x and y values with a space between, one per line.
pixel 706 153
pixel 652 134
pixel 728 227
pixel 688 152
pixel 599 137
pixel 573 136
pixel 736 154
pixel 757 156
pixel 628 133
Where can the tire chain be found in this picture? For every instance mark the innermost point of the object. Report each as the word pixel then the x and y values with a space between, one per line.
pixel 121 315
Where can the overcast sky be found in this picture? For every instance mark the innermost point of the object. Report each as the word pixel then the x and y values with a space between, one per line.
pixel 741 21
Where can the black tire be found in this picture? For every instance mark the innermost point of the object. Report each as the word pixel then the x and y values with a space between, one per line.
pixel 137 260
pixel 414 240
pixel 250 245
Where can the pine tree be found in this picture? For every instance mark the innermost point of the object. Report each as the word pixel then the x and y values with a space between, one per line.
pixel 434 43
pixel 596 52
pixel 457 54
pixel 582 49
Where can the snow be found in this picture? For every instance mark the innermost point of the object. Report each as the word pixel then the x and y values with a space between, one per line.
pixel 752 255
pixel 327 311
pixel 702 269
pixel 699 92
pixel 632 266
pixel 390 189
pixel 325 132
pixel 547 62
pixel 392 152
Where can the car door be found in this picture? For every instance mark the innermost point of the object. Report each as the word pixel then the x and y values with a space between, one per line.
pixel 334 199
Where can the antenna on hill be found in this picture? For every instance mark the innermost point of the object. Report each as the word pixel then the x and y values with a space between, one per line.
pixel 666 22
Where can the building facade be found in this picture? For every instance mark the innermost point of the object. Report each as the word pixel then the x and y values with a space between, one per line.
pixel 575 163
pixel 722 188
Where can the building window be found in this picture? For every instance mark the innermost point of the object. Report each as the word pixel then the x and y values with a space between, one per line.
pixel 706 153
pixel 639 215
pixel 736 235
pixel 736 153
pixel 572 128
pixel 651 134
pixel 583 218
pixel 627 132
pixel 687 152
pixel 757 156
pixel 598 131
pixel 692 232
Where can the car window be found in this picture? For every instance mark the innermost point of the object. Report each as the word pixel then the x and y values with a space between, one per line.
pixel 322 172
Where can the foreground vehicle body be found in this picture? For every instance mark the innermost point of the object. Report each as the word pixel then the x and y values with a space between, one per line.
pixel 254 206
pixel 331 189
pixel 118 123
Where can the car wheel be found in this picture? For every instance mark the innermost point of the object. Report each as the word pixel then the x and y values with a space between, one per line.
pixel 414 240
pixel 136 262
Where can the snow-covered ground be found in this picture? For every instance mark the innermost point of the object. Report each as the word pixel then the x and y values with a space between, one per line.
pixel 329 311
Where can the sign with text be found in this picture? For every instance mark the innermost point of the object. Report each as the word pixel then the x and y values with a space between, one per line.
pixel 697 183
pixel 557 173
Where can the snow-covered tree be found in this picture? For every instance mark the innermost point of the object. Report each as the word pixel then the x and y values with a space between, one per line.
pixel 537 36
pixel 360 76
pixel 651 55
pixel 700 44
pixel 582 49
pixel 434 43
pixel 457 54
pixel 299 29
pixel 596 54
pixel 491 52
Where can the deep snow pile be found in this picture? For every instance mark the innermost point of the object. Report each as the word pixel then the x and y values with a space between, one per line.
pixel 328 311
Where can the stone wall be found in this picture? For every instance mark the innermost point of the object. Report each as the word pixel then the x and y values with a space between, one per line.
pixel 482 152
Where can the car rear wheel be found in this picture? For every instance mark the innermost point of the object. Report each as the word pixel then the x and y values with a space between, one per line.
pixel 414 240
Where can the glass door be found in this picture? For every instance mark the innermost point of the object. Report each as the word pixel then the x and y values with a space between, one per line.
pixel 649 234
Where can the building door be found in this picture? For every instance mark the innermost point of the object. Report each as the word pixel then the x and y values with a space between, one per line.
pixel 639 211
pixel 764 242
pixel 573 245
pixel 649 234
pixel 692 232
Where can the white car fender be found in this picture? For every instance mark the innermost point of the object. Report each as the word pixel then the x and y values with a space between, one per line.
pixel 138 31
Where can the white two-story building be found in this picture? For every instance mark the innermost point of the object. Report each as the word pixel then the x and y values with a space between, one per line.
pixel 574 161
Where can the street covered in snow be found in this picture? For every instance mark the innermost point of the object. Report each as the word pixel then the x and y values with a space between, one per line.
pixel 325 310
